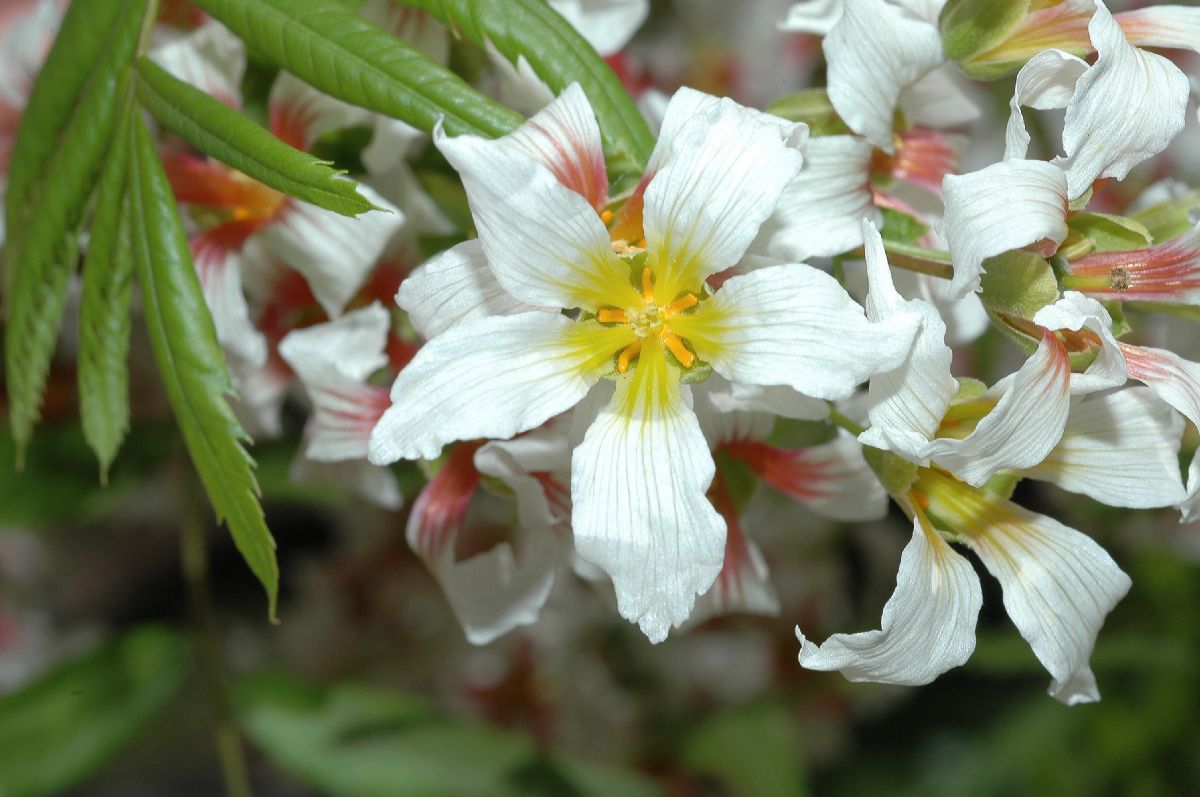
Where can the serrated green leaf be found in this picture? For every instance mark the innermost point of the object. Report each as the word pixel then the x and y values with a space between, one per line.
pixel 330 47
pixel 47 246
pixel 104 312
pixel 560 56
pixel 221 132
pixel 190 360
pixel 65 725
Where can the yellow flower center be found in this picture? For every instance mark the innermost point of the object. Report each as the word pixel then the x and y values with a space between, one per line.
pixel 651 320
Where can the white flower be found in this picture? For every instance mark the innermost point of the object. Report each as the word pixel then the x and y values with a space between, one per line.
pixel 639 313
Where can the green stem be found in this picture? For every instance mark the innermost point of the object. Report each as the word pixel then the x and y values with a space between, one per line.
pixel 194 547
pixel 849 424
pixel 148 23
pixel 933 262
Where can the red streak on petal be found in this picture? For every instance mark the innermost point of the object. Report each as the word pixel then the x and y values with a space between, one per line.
pixel 441 508
pixel 558 496
pixel 577 167
pixel 798 474
pixel 922 157
pixel 197 181
pixel 1167 272
pixel 728 584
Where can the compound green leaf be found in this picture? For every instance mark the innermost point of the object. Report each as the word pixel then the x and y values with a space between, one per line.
pixel 190 360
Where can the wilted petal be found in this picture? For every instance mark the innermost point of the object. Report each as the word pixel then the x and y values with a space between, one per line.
pixel 793 325
pixel 821 212
pixel 928 623
pixel 875 51
pixel 638 483
pixel 452 287
pixel 1165 272
pixel 492 378
pixel 1127 107
pixel 1005 206
pixel 1121 448
pixel 536 467
pixel 1047 81
pixel 1022 428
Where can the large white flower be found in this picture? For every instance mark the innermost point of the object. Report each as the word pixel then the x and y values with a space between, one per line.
pixel 629 302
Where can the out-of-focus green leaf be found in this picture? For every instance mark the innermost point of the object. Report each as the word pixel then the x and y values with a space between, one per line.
pixel 329 46
pixel 62 727
pixel 901 227
pixel 357 741
pixel 1170 218
pixel 49 206
pixel 190 360
pixel 755 750
pixel 104 313
pixel 560 56
pixel 223 133
pixel 811 106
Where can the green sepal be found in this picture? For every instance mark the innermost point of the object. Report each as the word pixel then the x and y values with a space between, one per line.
pixel 190 360
pixel 1018 284
pixel 223 133
pixel 699 372
pixel 328 45
pixel 811 106
pixel 894 472
pixel 559 55
pixel 900 227
pixel 969 388
pixel 1110 233
pixel 972 28
pixel 1002 484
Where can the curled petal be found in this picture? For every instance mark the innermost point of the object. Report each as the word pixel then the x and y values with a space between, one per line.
pixel 1075 312
pixel 1047 81
pixel 928 623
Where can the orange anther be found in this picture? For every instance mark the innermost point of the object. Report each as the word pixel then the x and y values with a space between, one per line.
pixel 647 284
pixel 611 315
pixel 606 216
pixel 676 346
pixel 627 355
pixel 688 300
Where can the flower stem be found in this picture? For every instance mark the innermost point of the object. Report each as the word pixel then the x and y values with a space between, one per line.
pixel 933 262
pixel 849 424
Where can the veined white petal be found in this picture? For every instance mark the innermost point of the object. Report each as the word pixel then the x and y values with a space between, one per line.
pixel 939 100
pixel 722 423
pixel 300 114
pixel 724 174
pixel 335 253
pixel 965 318
pixel 452 287
pixel 1058 587
pixel 1046 81
pixel 544 241
pixel 415 28
pixel 908 402
pixel 536 467
pixel 1120 447
pixel 1127 107
pixel 638 483
pixel 780 400
pixel 1022 428
pixel 487 378
pixel 812 16
pixel 371 482
pixel 1074 311
pixel 219 268
pixel 793 325
pixel 928 623
pixel 608 25
pixel 354 344
pixel 875 51
pixel 1171 26
pixel 841 485
pixel 210 58
pixel 391 141
pixel 820 213
pixel 1005 206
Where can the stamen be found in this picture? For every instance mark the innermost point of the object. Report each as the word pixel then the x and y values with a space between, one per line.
pixel 676 346
pixel 647 284
pixel 688 300
pixel 606 217
pixel 627 355
pixel 611 315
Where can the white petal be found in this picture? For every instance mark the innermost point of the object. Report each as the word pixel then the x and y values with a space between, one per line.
pixel 491 377
pixel 744 583
pixel 1126 108
pixel 608 25
pixel 300 114
pixel 335 253
pixel 26 32
pixel 1005 206
pixel 793 325
pixel 812 16
pixel 391 142
pixel 545 243
pixel 210 58
pixel 724 174
pixel 638 483
pixel 909 402
pixel 516 85
pixel 354 344
pixel 1074 311
pixel 965 318
pixel 1121 448
pixel 1046 81
pixel 723 423
pixel 1058 587
pixel 778 400
pixel 220 271
pixel 261 391
pixel 371 482
pixel 928 623
pixel 1171 26
pixel 536 467
pixel 820 213
pixel 455 286
pixel 875 51
pixel 939 100
pixel 416 28
pixel 1022 428
pixel 841 485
